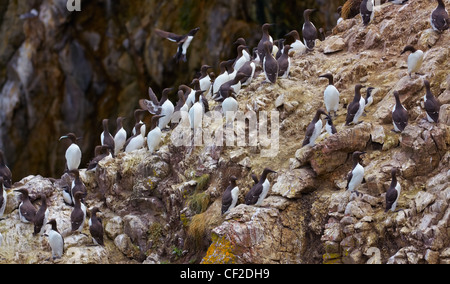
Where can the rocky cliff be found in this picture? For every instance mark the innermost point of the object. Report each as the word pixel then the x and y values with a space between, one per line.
pixel 166 207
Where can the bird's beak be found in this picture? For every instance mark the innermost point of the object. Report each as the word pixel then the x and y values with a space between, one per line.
pixel 63 137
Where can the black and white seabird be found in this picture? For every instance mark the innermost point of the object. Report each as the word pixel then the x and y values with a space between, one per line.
pixel 366 11
pixel 356 176
pixel 138 116
pixel 432 106
pixel 245 52
pixel 400 115
pixel 369 97
pixel 270 65
pixel 56 240
pixel 5 172
pixel 76 186
pixel 356 108
pixel 331 95
pixel 230 196
pixel 242 58
pixel 73 153
pixel 415 59
pixel 309 31
pixel 96 227
pixel 249 70
pixel 121 136
pixel 163 107
pixel 440 20
pixel 331 129
pixel 314 129
pixel 78 213
pixel 41 217
pixel 196 112
pixel 266 37
pixel 393 193
pixel 26 210
pixel 259 191
pixel 106 138
pixel 3 198
pixel 155 134
pixel 137 141
pixel 221 79
pixel 101 152
pixel 284 63
pixel 205 79
pixel 183 41
pixel 297 46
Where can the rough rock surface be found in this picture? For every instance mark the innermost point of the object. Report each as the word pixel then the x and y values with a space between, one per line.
pixel 166 207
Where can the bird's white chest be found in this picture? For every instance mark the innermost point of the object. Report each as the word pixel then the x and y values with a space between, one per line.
pixel 415 61
pixel 229 104
pixel 265 191
pixel 187 43
pixel 153 139
pixel 357 178
pixel 73 157
pixel 317 129
pixel 135 144
pixel 331 96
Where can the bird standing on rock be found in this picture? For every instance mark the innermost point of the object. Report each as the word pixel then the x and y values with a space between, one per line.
pixel 73 153
pixel 270 65
pixel 415 59
pixel 96 227
pixel 310 33
pixel 106 138
pixel 230 196
pixel 432 106
pixel 78 213
pixel 155 134
pixel 26 210
pixel 356 108
pixel 314 129
pixel 41 217
pixel 331 95
pixel 356 176
pixel 400 115
pixel 440 20
pixel 56 240
pixel 121 136
pixel 259 191
pixel 393 193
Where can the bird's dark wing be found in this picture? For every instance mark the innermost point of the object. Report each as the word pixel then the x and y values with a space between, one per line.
pixel 252 196
pixel 349 179
pixel 351 112
pixel 309 133
pixel 171 36
pixel 432 107
pixel 227 199
pixel 398 118
pixel 391 197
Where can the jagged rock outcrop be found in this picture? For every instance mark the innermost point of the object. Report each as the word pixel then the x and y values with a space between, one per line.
pixel 166 207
